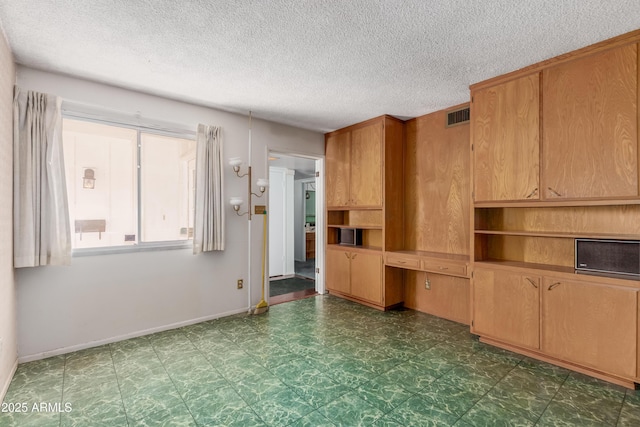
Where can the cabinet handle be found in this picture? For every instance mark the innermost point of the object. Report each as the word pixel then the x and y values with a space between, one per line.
pixel 554 192
pixel 535 190
pixel 443 268
pixel 532 282
pixel 353 256
pixel 347 255
pixel 552 287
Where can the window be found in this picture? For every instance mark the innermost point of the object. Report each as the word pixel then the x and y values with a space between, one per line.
pixel 127 186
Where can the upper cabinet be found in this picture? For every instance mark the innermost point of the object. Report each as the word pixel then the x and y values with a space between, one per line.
pixel 505 142
pixel 565 130
pixel 590 126
pixel 354 166
pixel 366 166
pixel 338 168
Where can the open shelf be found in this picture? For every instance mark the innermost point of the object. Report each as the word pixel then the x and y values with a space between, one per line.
pixel 571 235
pixel 527 265
pixel 355 248
pixel 362 227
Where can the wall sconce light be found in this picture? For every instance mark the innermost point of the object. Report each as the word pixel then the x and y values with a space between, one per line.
pixel 262 184
pixel 89 179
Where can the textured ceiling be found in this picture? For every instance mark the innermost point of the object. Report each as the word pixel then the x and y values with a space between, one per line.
pixel 315 64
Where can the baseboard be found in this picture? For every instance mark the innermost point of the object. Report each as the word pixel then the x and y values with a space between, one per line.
pixel 5 386
pixel 71 349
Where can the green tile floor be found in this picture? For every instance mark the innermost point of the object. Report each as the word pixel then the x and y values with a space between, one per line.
pixel 320 361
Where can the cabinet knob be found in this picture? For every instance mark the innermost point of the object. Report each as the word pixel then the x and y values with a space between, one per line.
pixel 555 285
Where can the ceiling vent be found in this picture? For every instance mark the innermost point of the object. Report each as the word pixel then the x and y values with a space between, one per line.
pixel 458 117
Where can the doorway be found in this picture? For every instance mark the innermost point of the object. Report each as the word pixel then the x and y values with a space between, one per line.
pixel 295 233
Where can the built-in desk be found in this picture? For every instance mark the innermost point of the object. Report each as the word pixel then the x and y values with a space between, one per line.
pixel 434 283
pixel 436 262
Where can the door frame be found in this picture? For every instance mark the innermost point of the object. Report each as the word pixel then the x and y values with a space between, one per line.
pixel 320 212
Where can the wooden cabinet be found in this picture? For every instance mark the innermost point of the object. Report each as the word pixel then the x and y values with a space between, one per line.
pixel 366 276
pixel 505 120
pixel 310 245
pixel 354 166
pixel 356 274
pixel 366 166
pixel 506 306
pixel 338 265
pixel 338 168
pixel 364 192
pixel 555 158
pixel 590 324
pixel 590 126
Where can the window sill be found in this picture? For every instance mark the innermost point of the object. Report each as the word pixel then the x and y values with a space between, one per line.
pixel 144 247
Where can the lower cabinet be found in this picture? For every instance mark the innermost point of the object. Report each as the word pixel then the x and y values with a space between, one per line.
pixel 366 276
pixel 356 274
pixel 506 306
pixel 590 324
pixel 338 265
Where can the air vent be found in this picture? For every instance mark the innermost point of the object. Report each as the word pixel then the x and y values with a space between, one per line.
pixel 458 117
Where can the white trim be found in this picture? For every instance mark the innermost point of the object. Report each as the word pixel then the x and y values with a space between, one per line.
pixel 140 247
pixel 320 215
pixel 321 224
pixel 71 349
pixel 5 386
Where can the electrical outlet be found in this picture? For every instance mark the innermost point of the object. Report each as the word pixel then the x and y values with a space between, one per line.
pixel 240 283
pixel 427 284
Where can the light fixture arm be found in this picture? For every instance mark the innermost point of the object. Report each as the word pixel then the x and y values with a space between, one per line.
pixel 261 183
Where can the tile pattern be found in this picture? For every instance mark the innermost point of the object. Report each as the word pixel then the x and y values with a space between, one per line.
pixel 319 361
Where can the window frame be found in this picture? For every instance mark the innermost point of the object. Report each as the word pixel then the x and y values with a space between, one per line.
pixel 140 127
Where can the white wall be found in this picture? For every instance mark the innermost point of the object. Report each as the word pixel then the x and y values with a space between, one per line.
pixel 8 346
pixel 105 298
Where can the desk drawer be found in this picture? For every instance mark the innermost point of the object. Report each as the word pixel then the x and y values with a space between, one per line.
pixel 403 262
pixel 445 267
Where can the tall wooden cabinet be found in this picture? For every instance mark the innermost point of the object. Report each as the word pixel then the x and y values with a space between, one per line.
pixel 363 192
pixel 554 152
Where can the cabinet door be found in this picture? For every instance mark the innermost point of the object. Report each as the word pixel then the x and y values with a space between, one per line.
pixel 338 164
pixel 366 276
pixel 506 306
pixel 338 270
pixel 506 140
pixel 366 165
pixel 590 145
pixel 590 324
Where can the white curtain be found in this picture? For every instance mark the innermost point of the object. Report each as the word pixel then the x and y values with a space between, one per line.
pixel 41 231
pixel 208 232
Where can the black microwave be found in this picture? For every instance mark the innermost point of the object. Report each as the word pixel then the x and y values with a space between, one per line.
pixel 350 236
